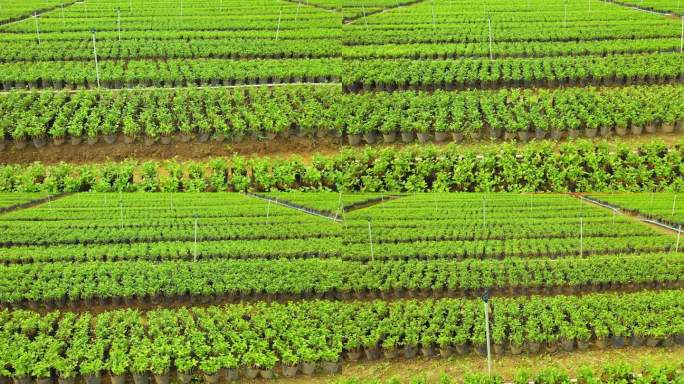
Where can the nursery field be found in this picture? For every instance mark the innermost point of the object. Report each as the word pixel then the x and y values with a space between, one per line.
pixel 272 285
pixel 310 191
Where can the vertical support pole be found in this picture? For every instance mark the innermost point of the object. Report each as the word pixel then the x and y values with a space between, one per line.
pixel 194 250
pixel 278 30
pixel 97 67
pixel 35 18
pixel 681 39
pixel 434 22
pixel 581 236
pixel 62 9
pixel 268 210
pixel 121 215
pixel 365 20
pixel 370 238
pixel 339 204
pixel 484 211
pixel 674 204
pixel 299 5
pixel 679 235
pixel 491 54
pixel 485 299
pixel 118 22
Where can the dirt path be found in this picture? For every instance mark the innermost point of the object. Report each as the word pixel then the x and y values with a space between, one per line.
pixel 303 147
pixel 430 370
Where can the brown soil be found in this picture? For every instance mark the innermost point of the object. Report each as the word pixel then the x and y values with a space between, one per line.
pixel 430 370
pixel 103 152
pixel 303 147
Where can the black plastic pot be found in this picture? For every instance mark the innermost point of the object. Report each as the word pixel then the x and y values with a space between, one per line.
pixel 618 341
pixel 184 378
pixel 605 131
pixel 407 137
pixel 266 374
pixel 308 368
pixel 354 355
pixel 212 378
pixel 75 140
pixel 141 378
pixel 231 374
pixel 524 136
pixel 92 140
pixel 23 380
pixel 446 351
pixel 93 379
pixel 653 341
pixel 354 139
pixel 441 136
pixel 539 134
pixel 390 353
pixel 331 367
pixel 39 142
pixel 370 137
pixel 496 133
pixel 410 352
pixel 515 349
pixel 289 372
pixel 372 353
pixel 423 137
pixel 162 378
pixel 118 379
pixel 590 132
pixel 637 341
pixel 66 380
pixel 165 140
pixel 251 373
pixel 668 128
pixel 568 345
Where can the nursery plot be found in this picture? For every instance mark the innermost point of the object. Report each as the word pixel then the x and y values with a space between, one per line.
pixel 514 113
pixel 11 10
pixel 265 337
pixel 172 43
pixel 532 44
pixel 163 227
pixel 328 202
pixel 163 114
pixel 9 199
pixel 355 9
pixel 668 6
pixel 59 284
pixel 462 226
pixel 660 206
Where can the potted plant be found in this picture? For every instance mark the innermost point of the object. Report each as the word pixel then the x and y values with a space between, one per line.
pixel 139 353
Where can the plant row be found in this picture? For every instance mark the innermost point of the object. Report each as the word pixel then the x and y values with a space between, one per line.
pixel 253 340
pixel 11 199
pixel 631 26
pixel 513 229
pixel 235 49
pixel 166 73
pixel 540 167
pixel 116 283
pixel 331 203
pixel 661 206
pixel 179 250
pixel 502 73
pixel 516 49
pixel 316 111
